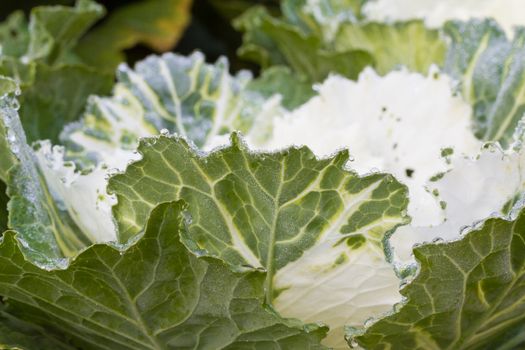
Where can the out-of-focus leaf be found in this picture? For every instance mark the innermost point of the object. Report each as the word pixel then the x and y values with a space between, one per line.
pixel 22 72
pixel 53 92
pixel 491 71
pixel 294 88
pixel 14 35
pixel 407 44
pixel 56 98
pixel 270 41
pixel 53 30
pixel 158 24
pixel 316 38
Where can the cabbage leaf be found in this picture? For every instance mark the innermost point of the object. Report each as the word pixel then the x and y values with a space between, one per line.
pixel 151 295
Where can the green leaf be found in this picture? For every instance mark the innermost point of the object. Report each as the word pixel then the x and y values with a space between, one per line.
pixel 300 218
pixel 7 86
pixel 59 211
pixel 3 207
pixel 54 30
pixel 158 24
pixel 408 44
pixel 14 35
pixel 56 98
pixel 491 71
pixel 467 294
pixel 53 93
pixel 315 39
pixel 153 295
pixel 22 72
pixel 294 88
pixel 270 41
pixel 53 96
pixel 37 209
pixel 322 17
pixel 18 334
pixel 177 93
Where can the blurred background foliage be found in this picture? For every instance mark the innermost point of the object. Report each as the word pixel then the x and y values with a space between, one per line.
pixel 209 29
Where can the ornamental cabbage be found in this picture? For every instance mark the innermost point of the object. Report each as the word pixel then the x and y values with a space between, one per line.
pixel 365 191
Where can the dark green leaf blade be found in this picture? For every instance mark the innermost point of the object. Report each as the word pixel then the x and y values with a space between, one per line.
pixel 154 295
pixel 18 334
pixel 467 294
pixel 3 207
pixel 48 230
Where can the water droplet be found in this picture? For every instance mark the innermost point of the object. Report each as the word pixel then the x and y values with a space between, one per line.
pixel 351 158
pixel 369 322
pixel 353 344
pixel 438 240
pixel 403 284
pixel 164 132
